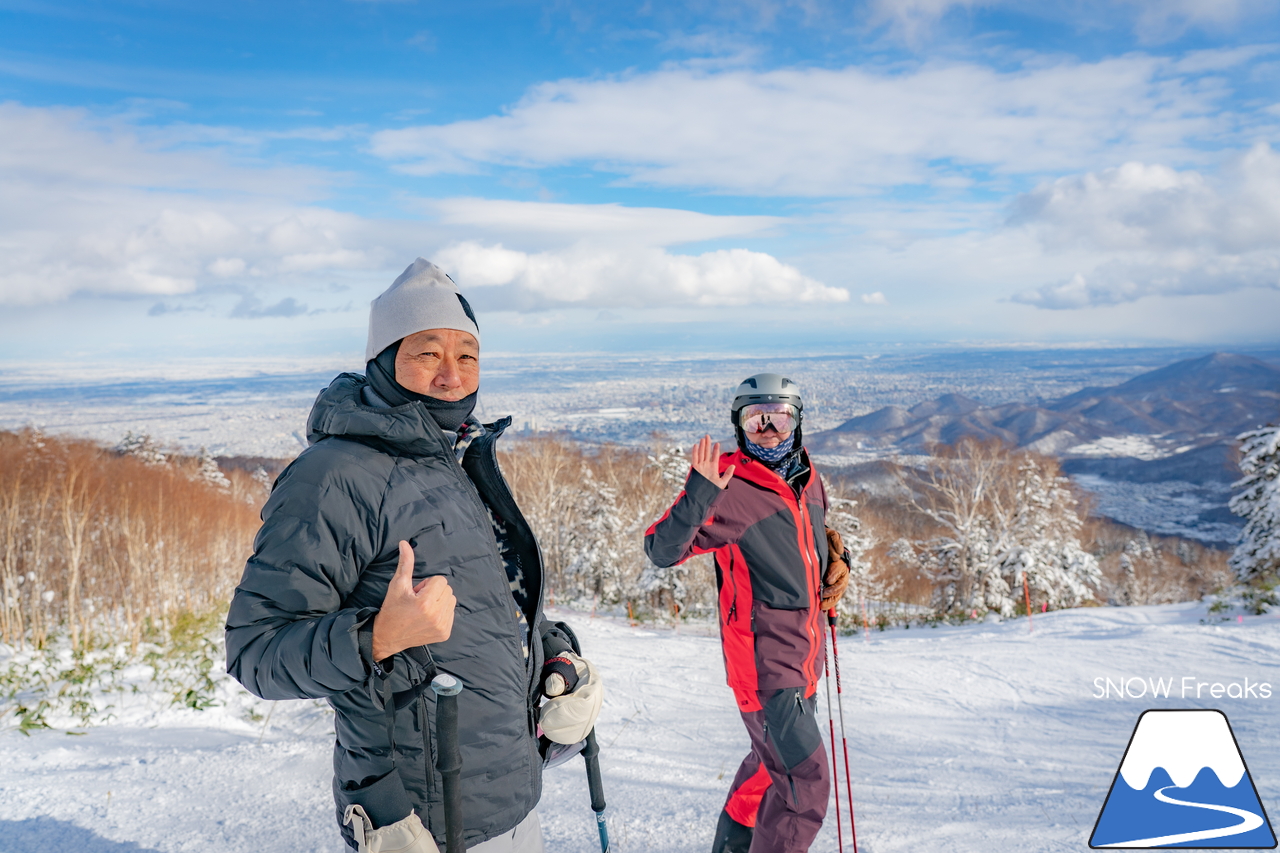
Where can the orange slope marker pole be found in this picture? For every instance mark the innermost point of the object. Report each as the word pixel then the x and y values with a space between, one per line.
pixel 1026 592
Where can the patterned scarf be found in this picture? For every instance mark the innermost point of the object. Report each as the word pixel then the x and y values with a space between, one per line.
pixel 771 456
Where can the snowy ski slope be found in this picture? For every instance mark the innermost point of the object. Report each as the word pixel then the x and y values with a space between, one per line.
pixel 981 738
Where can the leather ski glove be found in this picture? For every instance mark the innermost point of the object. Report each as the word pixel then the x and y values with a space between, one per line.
pixel 836 580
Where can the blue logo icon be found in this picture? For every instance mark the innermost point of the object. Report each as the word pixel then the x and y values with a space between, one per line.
pixel 1183 783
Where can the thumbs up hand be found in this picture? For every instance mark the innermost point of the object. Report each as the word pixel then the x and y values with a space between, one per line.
pixel 412 615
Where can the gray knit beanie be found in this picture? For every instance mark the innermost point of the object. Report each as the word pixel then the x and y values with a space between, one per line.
pixel 422 298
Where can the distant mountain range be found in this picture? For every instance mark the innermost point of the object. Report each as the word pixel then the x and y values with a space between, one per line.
pixel 1158 451
pixel 1177 422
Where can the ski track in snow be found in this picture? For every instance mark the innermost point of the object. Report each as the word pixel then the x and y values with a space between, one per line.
pixel 982 738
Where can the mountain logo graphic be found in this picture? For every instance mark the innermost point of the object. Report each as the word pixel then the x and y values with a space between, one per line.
pixel 1183 783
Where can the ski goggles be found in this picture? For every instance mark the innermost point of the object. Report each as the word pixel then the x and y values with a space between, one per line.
pixel 757 417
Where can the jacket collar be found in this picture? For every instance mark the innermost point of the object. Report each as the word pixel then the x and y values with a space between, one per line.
pixel 756 472
pixel 340 411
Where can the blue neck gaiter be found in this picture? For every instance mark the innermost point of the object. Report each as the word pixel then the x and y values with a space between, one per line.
pixel 772 455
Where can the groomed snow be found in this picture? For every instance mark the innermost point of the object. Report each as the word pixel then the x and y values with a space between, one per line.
pixel 981 738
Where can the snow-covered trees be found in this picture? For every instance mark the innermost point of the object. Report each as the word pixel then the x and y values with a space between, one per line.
pixel 671 465
pixel 1045 538
pixel 1004 515
pixel 142 446
pixel 589 507
pixel 209 473
pixel 598 553
pixel 1256 560
pixel 864 582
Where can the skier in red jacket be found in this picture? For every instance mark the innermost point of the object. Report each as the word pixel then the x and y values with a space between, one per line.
pixel 762 511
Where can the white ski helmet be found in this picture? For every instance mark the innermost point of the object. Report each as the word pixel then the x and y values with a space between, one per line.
pixel 766 388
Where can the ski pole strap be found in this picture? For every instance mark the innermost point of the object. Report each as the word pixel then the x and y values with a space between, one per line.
pixel 404 698
pixel 449 757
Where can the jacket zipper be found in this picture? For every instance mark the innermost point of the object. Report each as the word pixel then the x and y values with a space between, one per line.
pixel 733 585
pixel 487 522
pixel 811 555
pixel 490 461
pixel 532 669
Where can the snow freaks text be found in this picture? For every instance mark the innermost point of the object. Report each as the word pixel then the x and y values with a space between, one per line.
pixel 1186 687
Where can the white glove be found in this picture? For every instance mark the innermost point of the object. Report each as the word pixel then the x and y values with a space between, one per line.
pixel 568 718
pixel 407 835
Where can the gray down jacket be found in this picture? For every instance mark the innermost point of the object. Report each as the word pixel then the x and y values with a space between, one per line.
pixel 300 624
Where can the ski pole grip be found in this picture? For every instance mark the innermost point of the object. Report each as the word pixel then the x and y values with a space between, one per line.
pixel 831 617
pixel 449 757
pixel 591 754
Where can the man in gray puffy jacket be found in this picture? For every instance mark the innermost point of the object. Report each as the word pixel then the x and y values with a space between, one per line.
pixel 392 546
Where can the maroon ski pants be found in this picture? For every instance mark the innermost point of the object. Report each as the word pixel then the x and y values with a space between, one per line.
pixel 783 785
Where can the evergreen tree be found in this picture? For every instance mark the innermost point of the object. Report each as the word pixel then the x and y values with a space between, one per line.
pixel 1256 560
pixel 141 446
pixel 863 584
pixel 1044 542
pixel 209 472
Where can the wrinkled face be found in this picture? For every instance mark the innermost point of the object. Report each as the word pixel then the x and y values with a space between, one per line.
pixel 440 363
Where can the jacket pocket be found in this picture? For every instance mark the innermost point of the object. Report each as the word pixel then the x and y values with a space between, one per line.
pixel 383 799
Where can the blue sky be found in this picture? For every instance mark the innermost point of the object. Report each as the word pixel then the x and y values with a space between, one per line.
pixel 239 178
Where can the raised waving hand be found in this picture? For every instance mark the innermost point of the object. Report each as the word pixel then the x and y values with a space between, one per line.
pixel 705 458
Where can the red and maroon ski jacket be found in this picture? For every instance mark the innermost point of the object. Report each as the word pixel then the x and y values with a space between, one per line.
pixel 771 555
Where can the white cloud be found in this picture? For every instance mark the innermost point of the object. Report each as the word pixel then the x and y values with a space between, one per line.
pixel 1169 19
pixel 912 20
pixel 876 298
pixel 820 132
pixel 610 224
pixel 251 307
pixel 1155 230
pixel 1139 206
pixel 71 149
pixel 590 276
pixel 98 206
pixel 1185 274
pixel 1151 20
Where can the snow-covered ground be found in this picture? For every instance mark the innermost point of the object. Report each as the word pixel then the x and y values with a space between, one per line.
pixel 980 738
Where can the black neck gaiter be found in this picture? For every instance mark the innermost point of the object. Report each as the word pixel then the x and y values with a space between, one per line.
pixel 381 373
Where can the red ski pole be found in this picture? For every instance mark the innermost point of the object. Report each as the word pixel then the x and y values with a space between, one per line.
pixel 835 768
pixel 848 779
